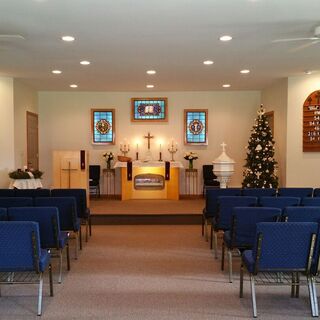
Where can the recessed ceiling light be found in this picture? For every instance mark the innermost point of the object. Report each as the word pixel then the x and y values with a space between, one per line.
pixel 56 71
pixel 227 85
pixel 73 86
pixel 149 86
pixel 245 71
pixel 225 38
pixel 308 72
pixel 208 62
pixel 151 72
pixel 68 38
pixel 85 62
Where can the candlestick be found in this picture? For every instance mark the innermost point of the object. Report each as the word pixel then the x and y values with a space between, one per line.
pixel 160 156
pixel 137 155
pixel 172 149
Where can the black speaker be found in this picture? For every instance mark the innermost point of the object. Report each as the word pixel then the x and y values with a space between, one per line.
pixel 167 170
pixel 82 159
pixel 129 170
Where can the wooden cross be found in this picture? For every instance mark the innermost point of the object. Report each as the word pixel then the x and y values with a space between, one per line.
pixel 148 137
pixel 223 145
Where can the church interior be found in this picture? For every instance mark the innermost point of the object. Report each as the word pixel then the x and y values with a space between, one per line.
pixel 135 104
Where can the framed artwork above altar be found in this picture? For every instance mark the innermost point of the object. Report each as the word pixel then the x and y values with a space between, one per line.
pixel 196 126
pixel 149 109
pixel 102 126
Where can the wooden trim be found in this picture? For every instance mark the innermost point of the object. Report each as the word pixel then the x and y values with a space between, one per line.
pixel 150 120
pixel 32 114
pixel 185 127
pixel 113 126
pixel 270 118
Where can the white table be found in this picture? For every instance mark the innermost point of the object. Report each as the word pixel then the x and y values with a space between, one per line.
pixel 25 184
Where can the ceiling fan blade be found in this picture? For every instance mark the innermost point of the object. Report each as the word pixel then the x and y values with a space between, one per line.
pixel 294 39
pixel 306 45
pixel 12 36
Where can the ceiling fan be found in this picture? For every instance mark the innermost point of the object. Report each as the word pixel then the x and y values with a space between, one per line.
pixel 314 39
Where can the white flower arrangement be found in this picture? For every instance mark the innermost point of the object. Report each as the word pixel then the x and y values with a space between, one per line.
pixel 108 156
pixel 191 156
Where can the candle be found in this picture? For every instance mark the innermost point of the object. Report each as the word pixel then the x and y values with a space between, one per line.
pixel 137 147
pixel 160 147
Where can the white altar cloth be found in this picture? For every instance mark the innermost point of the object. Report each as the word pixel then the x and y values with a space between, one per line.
pixel 25 184
pixel 138 163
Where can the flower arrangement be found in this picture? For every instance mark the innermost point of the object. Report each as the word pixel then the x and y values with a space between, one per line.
pixel 28 174
pixel 190 156
pixel 108 156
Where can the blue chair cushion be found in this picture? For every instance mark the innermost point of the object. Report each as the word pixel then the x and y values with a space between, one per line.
pixel 63 239
pixel 248 260
pixel 227 238
pixel 44 260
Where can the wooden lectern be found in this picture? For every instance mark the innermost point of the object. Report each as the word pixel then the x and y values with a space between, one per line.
pixel 71 170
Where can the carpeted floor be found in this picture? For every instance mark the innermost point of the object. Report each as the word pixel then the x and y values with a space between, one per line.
pixel 149 272
pixel 110 206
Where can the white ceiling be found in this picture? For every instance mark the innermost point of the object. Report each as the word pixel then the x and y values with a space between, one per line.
pixel 124 38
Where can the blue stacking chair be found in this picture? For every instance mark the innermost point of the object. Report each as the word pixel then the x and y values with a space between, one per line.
pixel 211 207
pixel 243 230
pixel 83 211
pixel 67 215
pixel 223 218
pixel 32 193
pixel 6 192
pixel 7 202
pixel 51 237
pixel 259 192
pixel 281 248
pixel 20 252
pixel 279 202
pixel 316 192
pixel 3 214
pixel 295 192
pixel 310 202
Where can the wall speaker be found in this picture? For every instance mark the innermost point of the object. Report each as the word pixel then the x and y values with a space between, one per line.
pixel 82 159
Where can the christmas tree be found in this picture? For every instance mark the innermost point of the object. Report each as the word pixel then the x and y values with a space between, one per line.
pixel 260 164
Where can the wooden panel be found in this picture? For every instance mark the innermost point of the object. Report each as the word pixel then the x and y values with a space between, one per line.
pixel 311 123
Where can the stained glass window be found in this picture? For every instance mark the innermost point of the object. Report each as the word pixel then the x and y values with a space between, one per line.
pixel 149 109
pixel 196 126
pixel 103 126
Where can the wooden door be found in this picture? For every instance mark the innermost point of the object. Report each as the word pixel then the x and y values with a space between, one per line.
pixel 32 141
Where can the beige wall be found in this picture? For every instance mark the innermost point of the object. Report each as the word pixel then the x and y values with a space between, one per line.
pixel 6 130
pixel 65 124
pixel 275 98
pixel 302 167
pixel 25 99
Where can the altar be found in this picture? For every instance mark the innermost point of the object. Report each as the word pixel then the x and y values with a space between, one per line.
pixel 150 179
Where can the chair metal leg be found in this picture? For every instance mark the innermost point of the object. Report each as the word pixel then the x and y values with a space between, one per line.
pixel 40 294
pixel 253 296
pixel 230 265
pixel 315 297
pixel 76 246
pixel 60 266
pixel 0 291
pixel 222 256
pixel 68 256
pixel 293 285
pixel 215 244
pixel 206 229
pixel 90 225
pixel 50 280
pixel 311 297
pixel 87 230
pixel 80 238
pixel 241 280
pixel 298 286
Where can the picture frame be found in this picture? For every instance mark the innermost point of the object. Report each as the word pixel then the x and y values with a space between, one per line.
pixel 149 109
pixel 103 126
pixel 196 126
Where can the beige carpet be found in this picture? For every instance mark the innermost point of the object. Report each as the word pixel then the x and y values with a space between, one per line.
pixel 149 272
pixel 103 206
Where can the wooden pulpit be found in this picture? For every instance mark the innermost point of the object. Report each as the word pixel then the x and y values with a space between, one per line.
pixel 71 170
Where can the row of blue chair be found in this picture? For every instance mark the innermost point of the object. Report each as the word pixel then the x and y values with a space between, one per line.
pixel 66 206
pixel 281 252
pixel 213 193
pixel 80 196
pixel 21 252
